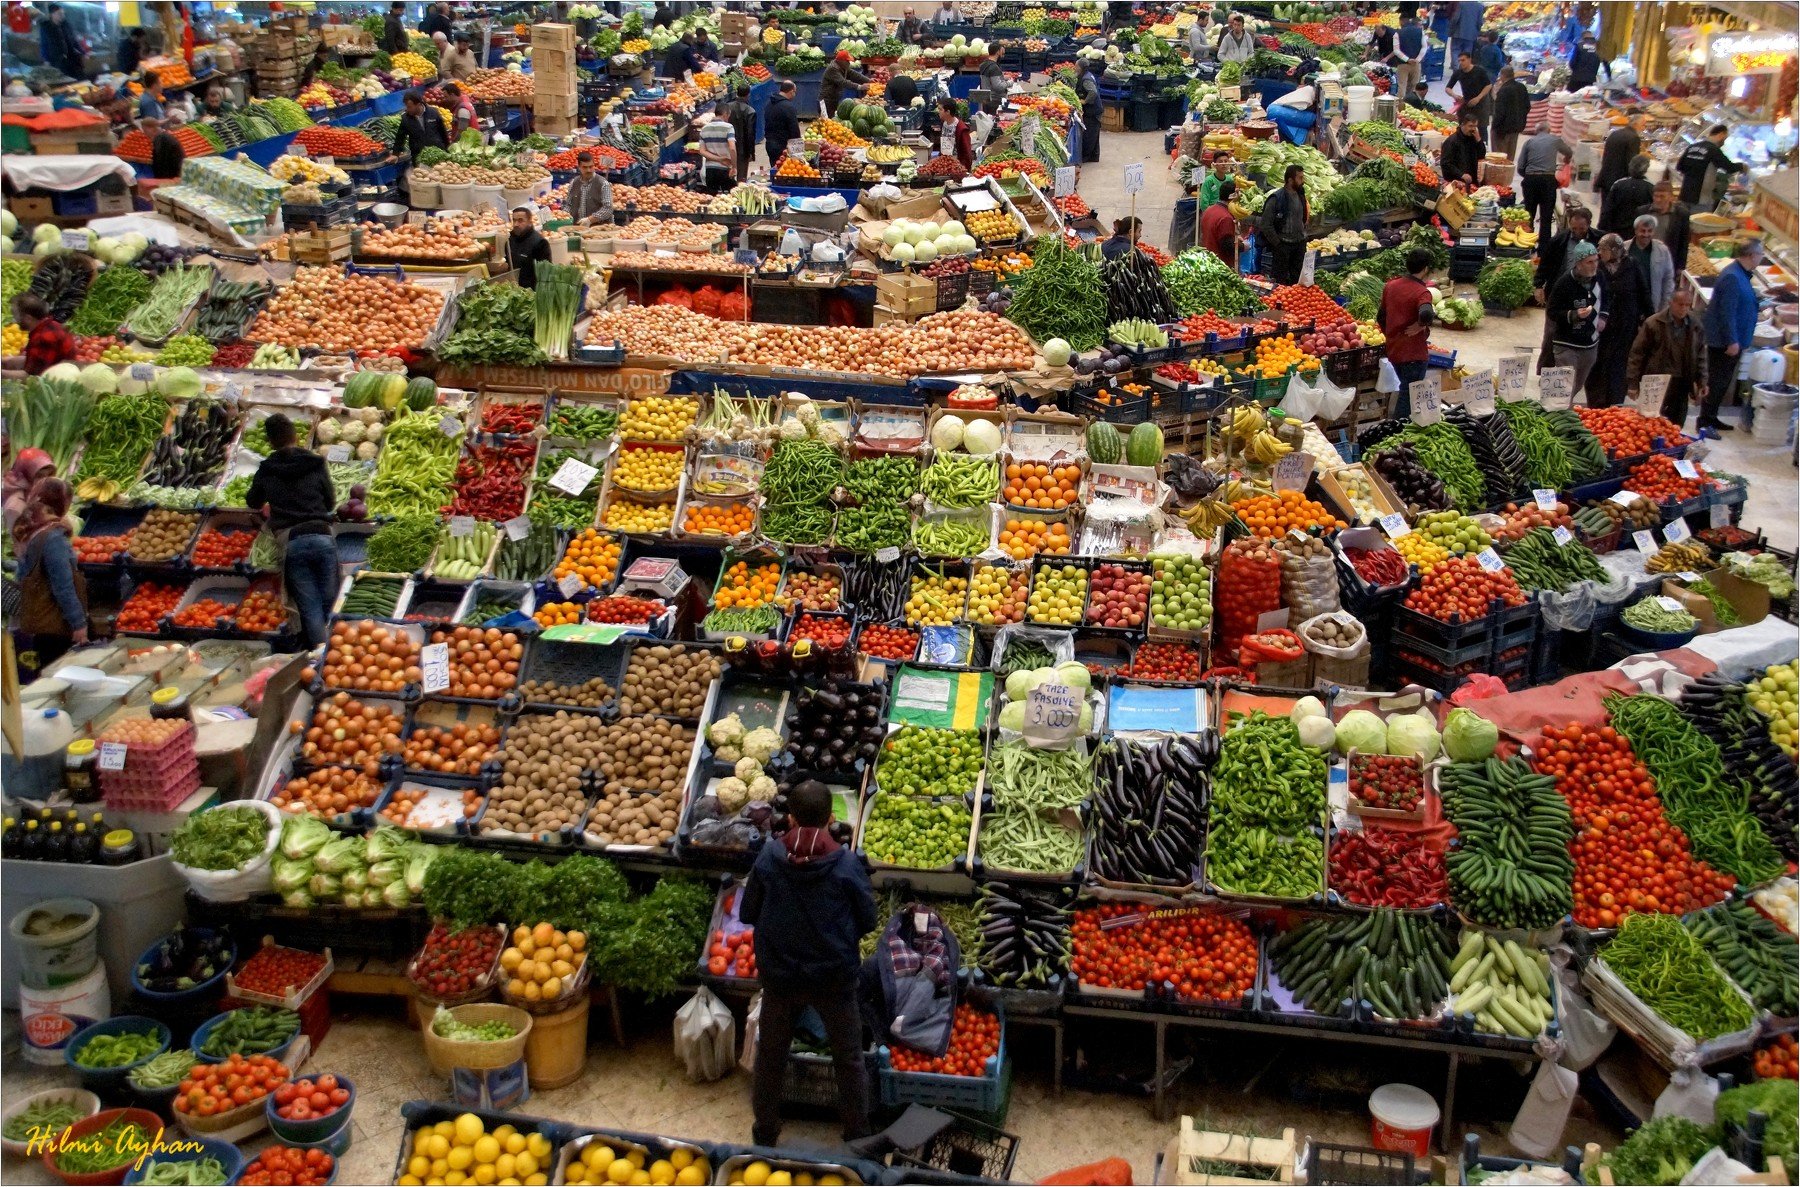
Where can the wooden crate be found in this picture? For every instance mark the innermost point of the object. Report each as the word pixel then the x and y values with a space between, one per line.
pixel 1197 1149
pixel 907 295
pixel 330 246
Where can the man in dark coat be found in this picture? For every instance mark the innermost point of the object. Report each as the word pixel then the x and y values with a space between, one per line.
pixel 1671 219
pixel 1626 297
pixel 1622 144
pixel 393 33
pixel 1618 211
pixel 1460 157
pixel 781 123
pixel 1512 107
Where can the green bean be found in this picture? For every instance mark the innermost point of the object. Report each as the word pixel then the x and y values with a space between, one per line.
pixel 184 1172
pixel 1547 464
pixel 796 523
pixel 1723 611
pixel 49 1118
pixel 166 1070
pixel 1024 840
pixel 1025 776
pixel 120 434
pixel 1667 968
pixel 175 290
pixel 960 480
pixel 1648 614
pixel 118 290
pixel 119 1144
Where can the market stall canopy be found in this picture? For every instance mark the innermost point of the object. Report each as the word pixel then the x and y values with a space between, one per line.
pixel 63 173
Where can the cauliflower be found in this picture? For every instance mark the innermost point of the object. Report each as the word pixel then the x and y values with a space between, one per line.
pixel 762 789
pixel 792 430
pixel 747 768
pixel 727 731
pixel 733 793
pixel 762 744
pixel 373 432
pixel 369 414
pixel 352 431
pixel 328 432
pixel 366 451
pixel 727 754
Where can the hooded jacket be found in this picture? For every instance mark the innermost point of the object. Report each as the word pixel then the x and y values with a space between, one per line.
pixel 297 488
pixel 811 906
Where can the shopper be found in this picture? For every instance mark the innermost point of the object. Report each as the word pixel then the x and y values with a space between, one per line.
pixel 1235 42
pixel 293 489
pixel 1653 261
pixel 1671 219
pixel 1512 107
pixel 1622 144
pixel 1282 231
pixel 1730 328
pixel 1626 298
pixel 458 62
pixel 31 466
pixel 393 34
pixel 781 123
pixel 1618 212
pixel 1671 342
pixel 1218 226
pixel 718 151
pixel 590 199
pixel 1575 314
pixel 131 50
pixel 52 591
pixel 1553 253
pixel 809 900
pixel 1701 156
pixel 57 45
pixel 953 134
pixel 321 58
pixel 1405 316
pixel 1459 159
pixel 1585 64
pixel 993 79
pixel 166 154
pixel 526 247
pixel 1200 37
pixel 1409 54
pixel 1465 27
pixel 743 126
pixel 680 62
pixel 47 341
pixel 902 89
pixel 421 127
pixel 838 73
pixel 1088 91
pixel 150 110
pixel 1474 85
pixel 1124 238
pixel 437 20
pixel 1488 54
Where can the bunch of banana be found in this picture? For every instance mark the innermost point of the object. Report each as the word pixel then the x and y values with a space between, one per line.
pixel 888 154
pixel 1518 236
pixel 1246 423
pixel 1266 448
pixel 97 490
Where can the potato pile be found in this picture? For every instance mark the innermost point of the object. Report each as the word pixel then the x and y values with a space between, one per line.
pixel 590 694
pixel 162 536
pixel 542 764
pixel 643 772
pixel 671 680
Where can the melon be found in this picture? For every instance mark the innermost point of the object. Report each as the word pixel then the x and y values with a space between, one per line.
pixel 391 392
pixel 1145 445
pixel 421 394
pixel 1103 443
pixel 361 389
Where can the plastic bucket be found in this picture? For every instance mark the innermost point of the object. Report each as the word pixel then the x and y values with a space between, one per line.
pixel 62 955
pixel 1774 405
pixel 49 1018
pixel 556 1047
pixel 1401 1119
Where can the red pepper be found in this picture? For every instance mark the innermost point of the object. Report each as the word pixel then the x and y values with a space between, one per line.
pixel 511 418
pixel 491 479
pixel 1386 867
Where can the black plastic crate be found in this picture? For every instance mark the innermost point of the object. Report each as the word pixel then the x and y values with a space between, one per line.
pixel 1360 1166
pixel 1131 410
pixel 966 1146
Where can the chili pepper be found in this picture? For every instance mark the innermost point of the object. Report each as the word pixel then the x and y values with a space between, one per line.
pixel 490 479
pixel 510 418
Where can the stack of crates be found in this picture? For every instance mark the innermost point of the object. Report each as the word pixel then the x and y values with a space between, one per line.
pixel 556 96
pixel 154 778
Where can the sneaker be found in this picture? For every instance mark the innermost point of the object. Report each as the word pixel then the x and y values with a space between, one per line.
pixel 1719 426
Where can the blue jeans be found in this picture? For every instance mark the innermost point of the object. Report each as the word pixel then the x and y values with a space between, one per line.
pixel 311 569
pixel 1409 373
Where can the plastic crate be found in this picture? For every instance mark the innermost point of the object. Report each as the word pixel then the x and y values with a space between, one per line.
pixel 1128 411
pixel 1359 1166
pixel 567 662
pixel 984 1094
pixel 966 1146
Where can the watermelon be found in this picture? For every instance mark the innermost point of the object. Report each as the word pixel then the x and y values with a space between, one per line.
pixel 1145 445
pixel 391 391
pixel 845 109
pixel 421 394
pixel 362 389
pixel 1103 443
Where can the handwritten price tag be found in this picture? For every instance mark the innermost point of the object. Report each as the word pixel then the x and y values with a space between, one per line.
pixel 1134 178
pixel 1512 375
pixel 1671 604
pixel 1688 575
pixel 1052 715
pixel 573 476
pixel 1546 499
pixel 887 556
pixel 1272 620
pixel 1556 388
pixel 462 525
pixel 337 453
pixel 75 240
pixel 1478 394
pixel 517 528
pixel 1293 471
pixel 1562 536
pixel 1625 498
pixel 112 756
pixel 1719 516
pixel 1395 525
pixel 571 584
pixel 450 426
pixel 1651 390
pixel 1686 469
pixel 1675 531
pixel 1427 404
pixel 1065 181
pixel 434 660
pixel 1644 541
pixel 1490 560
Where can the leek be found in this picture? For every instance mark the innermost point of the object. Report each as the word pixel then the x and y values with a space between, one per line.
pixel 558 301
pixel 47 414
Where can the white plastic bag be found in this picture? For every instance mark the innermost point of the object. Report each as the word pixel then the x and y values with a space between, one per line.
pixel 1301 401
pixel 1389 379
pixel 254 877
pixel 752 1028
pixel 1585 1034
pixel 705 1037
pixel 1333 400
pixel 1537 1130
pixel 1691 1093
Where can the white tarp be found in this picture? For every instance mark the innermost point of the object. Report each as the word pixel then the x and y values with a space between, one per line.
pixel 64 172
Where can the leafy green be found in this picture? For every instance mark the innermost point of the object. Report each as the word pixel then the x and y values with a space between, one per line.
pixel 464 888
pixel 222 838
pixel 648 945
pixel 1659 1153
pixel 1505 284
pixel 1776 1099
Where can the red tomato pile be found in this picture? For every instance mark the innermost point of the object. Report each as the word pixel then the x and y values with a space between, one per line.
pixel 278 971
pixel 1249 585
pixel 262 611
pixel 323 141
pixel 284 1166
pixel 1378 566
pixel 311 1099
pixel 145 609
pixel 733 955
pixel 1628 857
pixel 221 550
pixel 625 609
pixel 220 1087
pixel 974 1039
pixel 1308 302
pixel 1165 661
pixel 1626 432
pixel 99 550
pixel 1779 1060
pixel 1655 478
pixel 205 614
pixel 1199 955
pixel 1384 867
pixel 1199 325
pixel 1461 589
pixel 1118 597
pixel 824 630
pixel 1387 781
pixel 454 962
pixel 888 642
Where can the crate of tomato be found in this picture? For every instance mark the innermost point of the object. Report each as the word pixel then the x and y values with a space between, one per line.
pixel 971 1076
pixel 290 978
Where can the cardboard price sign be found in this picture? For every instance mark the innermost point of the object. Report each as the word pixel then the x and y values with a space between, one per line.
pixel 434 662
pixel 1489 560
pixel 1427 404
pixel 573 476
pixel 1134 178
pixel 1478 394
pixel 1676 530
pixel 1052 716
pixel 518 527
pixel 1544 498
pixel 1512 377
pixel 1556 388
pixel 1395 525
pixel 112 756
pixel 462 525
pixel 1293 471
pixel 1651 390
pixel 1065 181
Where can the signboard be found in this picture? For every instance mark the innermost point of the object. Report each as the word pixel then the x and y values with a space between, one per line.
pixel 1395 525
pixel 1651 390
pixel 1556 388
pixel 1065 181
pixel 1512 377
pixel 518 527
pixel 1134 178
pixel 573 476
pixel 1293 471
pixel 1052 716
pixel 112 756
pixel 1478 393
pixel 434 661
pixel 1490 560
pixel 1750 53
pixel 1427 404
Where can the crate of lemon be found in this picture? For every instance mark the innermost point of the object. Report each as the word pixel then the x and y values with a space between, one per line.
pixel 543 969
pixel 615 1158
pixel 478 1148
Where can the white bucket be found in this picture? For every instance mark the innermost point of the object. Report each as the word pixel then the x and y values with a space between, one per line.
pixel 49 1018
pixel 1359 103
pixel 1774 405
pixel 58 958
pixel 1401 1119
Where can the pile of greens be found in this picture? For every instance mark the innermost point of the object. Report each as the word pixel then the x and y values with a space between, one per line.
pixel 1505 284
pixel 495 323
pixel 1776 1099
pixel 1198 280
pixel 1060 296
pixel 221 838
pixel 1659 1153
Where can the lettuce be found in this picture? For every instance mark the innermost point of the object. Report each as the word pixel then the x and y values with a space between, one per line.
pixel 302 836
pixel 384 872
pixel 387 843
pixel 338 856
pixel 289 875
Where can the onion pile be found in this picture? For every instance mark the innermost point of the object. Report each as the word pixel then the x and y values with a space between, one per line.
pixel 372 657
pixel 331 311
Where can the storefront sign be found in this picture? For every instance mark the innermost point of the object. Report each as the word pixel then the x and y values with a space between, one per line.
pixel 626 381
pixel 1750 53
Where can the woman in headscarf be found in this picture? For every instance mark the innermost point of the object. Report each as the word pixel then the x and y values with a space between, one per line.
pixel 27 468
pixel 53 593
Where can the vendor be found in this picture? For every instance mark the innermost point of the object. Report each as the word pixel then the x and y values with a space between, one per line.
pixel 1701 156
pixel 1512 108
pixel 1235 42
pixel 902 89
pixel 993 79
pixel 590 197
pixel 1621 144
pixel 1460 157
pixel 293 489
pixel 1218 226
pixel 1585 64
pixel 57 45
pixel 458 62
pixel 946 14
pixel 47 341
pixel 1420 97
pixel 1124 238
pixel 1200 37
pixel 1730 330
pixel 1409 53
pixel 743 124
pixel 421 127
pixel 526 247
pixel 166 152
pixel 1488 54
pixel 681 62
pixel 150 110
pixel 216 103
pixel 1214 182
pixel 1536 166
pixel 911 30
pixel 838 73
pixel 320 59
pixel 953 134
pixel 1282 231
pixel 393 34
pixel 1088 91
pixel 1405 316
pixel 131 50
pixel 437 20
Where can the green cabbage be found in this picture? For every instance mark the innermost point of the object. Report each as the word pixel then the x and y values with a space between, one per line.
pixel 1468 736
pixel 1413 734
pixel 1363 732
pixel 384 872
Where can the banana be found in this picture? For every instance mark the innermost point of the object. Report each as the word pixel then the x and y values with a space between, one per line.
pixel 1265 447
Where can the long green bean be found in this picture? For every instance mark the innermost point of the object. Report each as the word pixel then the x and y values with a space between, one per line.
pixel 1667 968
pixel 119 1144
pixel 175 290
pixel 118 290
pixel 1042 780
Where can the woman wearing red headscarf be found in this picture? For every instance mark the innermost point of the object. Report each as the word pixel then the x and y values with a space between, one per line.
pixel 27 468
pixel 53 593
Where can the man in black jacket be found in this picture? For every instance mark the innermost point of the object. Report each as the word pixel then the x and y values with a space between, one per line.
pixel 1283 228
pixel 809 900
pixel 393 33
pixel 1625 294
pixel 743 126
pixel 1700 156
pixel 437 20
pixel 421 127
pixel 1512 107
pixel 1627 194
pixel 1622 144
pixel 293 489
pixel 1671 220
pixel 1460 157
pixel 781 123
pixel 526 247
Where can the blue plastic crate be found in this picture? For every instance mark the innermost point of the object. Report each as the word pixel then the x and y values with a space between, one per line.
pixel 984 1094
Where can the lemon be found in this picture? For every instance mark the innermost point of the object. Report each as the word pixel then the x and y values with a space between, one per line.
pixel 503 1166
pixel 537 1180
pixel 635 1158
pixel 662 1172
pixel 455 1179
pixel 437 1147
pixel 487 1148
pixel 419 1166
pixel 446 1129
pixel 410 1181
pixel 502 1132
pixel 756 1174
pixel 525 1164
pixel 468 1127
pixel 640 1179
pixel 421 1141
pixel 681 1157
pixel 597 1156
pixel 439 1168
pixel 513 1142
pixel 539 1146
pixel 690 1176
pixel 484 1173
pixel 460 1158
pixel 803 1179
pixel 831 1181
pixel 780 1179
pixel 619 1171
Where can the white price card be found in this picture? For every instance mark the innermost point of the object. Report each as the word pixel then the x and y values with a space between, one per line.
pixel 1556 388
pixel 143 371
pixel 434 662
pixel 1671 604
pixel 1686 469
pixel 112 756
pixel 1490 560
pixel 75 240
pixel 1309 264
pixel 571 584
pixel 1624 498
pixel 1644 541
pixel 1651 390
pixel 1512 375
pixel 1293 471
pixel 1065 181
pixel 1427 404
pixel 573 476
pixel 1545 499
pixel 1688 575
pixel 1562 536
pixel 1395 525
pixel 887 556
pixel 1052 715
pixel 1676 530
pixel 462 525
pixel 1478 394
pixel 1134 178
pixel 450 426
pixel 337 453
pixel 518 527
pixel 1028 130
pixel 1719 515
pixel 1272 620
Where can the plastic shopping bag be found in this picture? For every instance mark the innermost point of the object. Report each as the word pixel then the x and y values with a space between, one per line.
pixel 752 1028
pixel 705 1037
pixel 1538 1128
pixel 1389 379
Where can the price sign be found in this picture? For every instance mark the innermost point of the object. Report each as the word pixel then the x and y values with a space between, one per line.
pixel 1232 93
pixel 517 528
pixel 1427 404
pixel 1308 265
pixel 1052 715
pixel 1688 575
pixel 1624 498
pixel 1478 394
pixel 1671 604
pixel 1490 560
pixel 75 240
pixel 1272 620
pixel 1562 536
pixel 450 426
pixel 143 371
pixel 796 147
pixel 337 453
pixel 434 661
pixel 573 476
pixel 1545 499
pixel 570 584
pixel 1512 376
pixel 887 556
pixel 1651 390
pixel 1395 526
pixel 462 525
pixel 1556 388
pixel 1293 471
pixel 1028 131
pixel 1645 542
pixel 1065 181
pixel 1719 515
pixel 417 218
pixel 1676 530
pixel 1134 178
pixel 1686 469
pixel 112 756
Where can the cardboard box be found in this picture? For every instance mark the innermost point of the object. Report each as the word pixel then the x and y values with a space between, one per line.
pixel 1112 119
pixel 32 208
pixel 552 36
pixel 115 203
